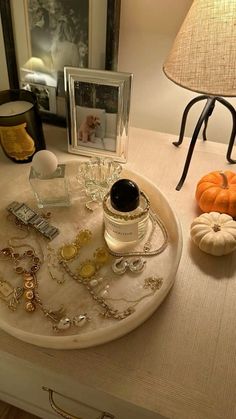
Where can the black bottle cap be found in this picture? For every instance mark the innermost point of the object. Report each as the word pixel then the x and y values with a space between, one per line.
pixel 124 195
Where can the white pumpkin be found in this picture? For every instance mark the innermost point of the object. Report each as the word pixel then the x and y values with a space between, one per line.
pixel 214 233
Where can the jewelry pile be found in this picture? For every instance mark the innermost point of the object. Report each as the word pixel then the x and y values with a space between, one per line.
pixel 28 275
pixel 86 273
pixel 66 261
pixel 29 289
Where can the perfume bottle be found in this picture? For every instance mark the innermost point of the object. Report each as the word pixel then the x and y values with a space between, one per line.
pixel 48 180
pixel 126 214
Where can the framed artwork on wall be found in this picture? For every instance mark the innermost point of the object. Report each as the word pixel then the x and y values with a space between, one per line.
pixel 46 96
pixel 43 36
pixel 98 105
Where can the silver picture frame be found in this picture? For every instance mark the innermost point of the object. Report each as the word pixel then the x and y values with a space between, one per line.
pixel 98 107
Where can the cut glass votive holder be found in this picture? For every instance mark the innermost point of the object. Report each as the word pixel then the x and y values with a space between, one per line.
pixel 98 175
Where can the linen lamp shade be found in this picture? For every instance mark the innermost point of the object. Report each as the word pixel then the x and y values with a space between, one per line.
pixel 203 56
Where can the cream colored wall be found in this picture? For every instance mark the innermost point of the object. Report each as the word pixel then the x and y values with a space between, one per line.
pixel 3 67
pixel 148 28
pixel 147 31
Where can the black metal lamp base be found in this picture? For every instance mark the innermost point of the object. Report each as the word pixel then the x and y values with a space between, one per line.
pixel 206 113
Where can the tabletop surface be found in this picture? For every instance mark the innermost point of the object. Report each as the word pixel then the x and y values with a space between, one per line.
pixel 181 362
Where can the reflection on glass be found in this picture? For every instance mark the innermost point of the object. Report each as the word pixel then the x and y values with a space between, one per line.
pixel 59 32
pixel 97 108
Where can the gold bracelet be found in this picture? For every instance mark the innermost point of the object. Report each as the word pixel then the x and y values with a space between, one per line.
pixel 127 216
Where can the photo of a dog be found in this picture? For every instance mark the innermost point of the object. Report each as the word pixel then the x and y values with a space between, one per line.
pixel 88 127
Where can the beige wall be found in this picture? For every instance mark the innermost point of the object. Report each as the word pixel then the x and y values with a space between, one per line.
pixel 148 28
pixel 3 68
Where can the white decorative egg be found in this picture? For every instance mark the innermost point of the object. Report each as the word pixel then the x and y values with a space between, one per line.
pixel 44 162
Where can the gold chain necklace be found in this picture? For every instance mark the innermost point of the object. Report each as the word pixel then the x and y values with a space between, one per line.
pixel 147 245
pixel 108 310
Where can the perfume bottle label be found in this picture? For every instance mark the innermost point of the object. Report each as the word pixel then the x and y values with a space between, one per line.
pixel 124 233
pixel 16 142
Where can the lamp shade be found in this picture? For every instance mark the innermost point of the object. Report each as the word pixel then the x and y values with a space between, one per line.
pixel 203 56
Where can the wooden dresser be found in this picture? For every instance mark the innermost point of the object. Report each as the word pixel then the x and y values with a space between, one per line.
pixel 179 364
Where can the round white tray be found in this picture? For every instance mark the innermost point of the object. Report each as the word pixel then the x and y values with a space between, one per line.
pixel 35 328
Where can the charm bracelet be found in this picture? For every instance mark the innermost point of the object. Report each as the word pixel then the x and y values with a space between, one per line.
pixel 29 290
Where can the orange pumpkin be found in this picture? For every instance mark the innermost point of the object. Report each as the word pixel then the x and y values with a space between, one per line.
pixel 216 191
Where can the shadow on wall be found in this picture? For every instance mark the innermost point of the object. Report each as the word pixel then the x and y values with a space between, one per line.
pixel 147 32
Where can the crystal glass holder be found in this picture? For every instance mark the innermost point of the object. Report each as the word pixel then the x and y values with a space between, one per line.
pixel 97 175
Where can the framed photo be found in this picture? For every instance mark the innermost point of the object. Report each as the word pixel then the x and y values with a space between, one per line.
pixel 41 37
pixel 46 96
pixel 98 105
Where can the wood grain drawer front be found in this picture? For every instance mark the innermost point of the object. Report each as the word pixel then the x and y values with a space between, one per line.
pixel 82 411
pixel 21 384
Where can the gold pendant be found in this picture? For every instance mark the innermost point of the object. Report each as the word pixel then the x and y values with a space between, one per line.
pixel 5 289
pixel 83 237
pixel 16 142
pixel 87 269
pixel 68 251
pixel 30 306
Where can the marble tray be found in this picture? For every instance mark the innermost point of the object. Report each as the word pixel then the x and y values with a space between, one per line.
pixel 126 290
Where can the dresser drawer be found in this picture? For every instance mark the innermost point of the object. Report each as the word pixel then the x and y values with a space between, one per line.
pixel 30 388
pixel 24 386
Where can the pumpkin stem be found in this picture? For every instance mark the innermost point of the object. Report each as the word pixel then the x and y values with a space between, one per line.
pixel 216 227
pixel 225 184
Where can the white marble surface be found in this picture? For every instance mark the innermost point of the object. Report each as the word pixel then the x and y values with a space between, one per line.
pixel 126 291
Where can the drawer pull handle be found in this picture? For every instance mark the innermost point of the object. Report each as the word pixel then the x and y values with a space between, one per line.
pixel 66 415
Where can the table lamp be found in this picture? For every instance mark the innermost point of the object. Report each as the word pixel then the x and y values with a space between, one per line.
pixel 36 71
pixel 203 59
